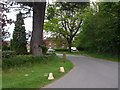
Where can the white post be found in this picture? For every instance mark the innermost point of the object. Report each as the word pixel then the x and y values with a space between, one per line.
pixel 50 76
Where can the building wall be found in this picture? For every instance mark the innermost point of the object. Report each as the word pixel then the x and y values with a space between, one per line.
pixel 55 43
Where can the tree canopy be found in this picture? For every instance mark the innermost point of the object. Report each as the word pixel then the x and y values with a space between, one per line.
pixel 66 19
pixel 19 36
pixel 100 30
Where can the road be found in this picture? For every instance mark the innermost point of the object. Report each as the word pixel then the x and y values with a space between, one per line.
pixel 88 72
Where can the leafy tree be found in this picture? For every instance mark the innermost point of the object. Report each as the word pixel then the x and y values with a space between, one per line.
pixel 19 36
pixel 86 37
pixel 100 30
pixel 66 19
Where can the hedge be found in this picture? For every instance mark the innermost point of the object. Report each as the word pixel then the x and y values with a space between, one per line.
pixel 61 49
pixel 21 60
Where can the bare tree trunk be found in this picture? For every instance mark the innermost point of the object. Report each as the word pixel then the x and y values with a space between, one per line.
pixel 38 23
pixel 69 44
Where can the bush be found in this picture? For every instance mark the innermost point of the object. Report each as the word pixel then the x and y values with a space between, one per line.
pixel 8 54
pixel 79 48
pixel 61 49
pixel 44 49
pixel 23 60
pixel 5 47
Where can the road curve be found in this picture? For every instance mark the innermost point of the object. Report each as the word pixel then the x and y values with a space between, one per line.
pixel 88 72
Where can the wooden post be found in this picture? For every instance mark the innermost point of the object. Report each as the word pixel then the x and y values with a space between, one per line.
pixel 64 56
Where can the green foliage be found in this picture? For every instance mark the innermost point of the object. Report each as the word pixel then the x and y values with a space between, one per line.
pixel 67 20
pixel 8 54
pixel 44 49
pixel 61 49
pixel 72 6
pixel 80 48
pixel 51 12
pixel 99 30
pixel 22 60
pixel 19 36
pixel 5 48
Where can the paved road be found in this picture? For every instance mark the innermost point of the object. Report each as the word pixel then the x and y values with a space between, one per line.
pixel 89 73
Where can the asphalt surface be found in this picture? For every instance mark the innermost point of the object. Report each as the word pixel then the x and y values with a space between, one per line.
pixel 88 72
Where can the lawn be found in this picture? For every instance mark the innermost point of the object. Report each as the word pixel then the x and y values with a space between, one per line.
pixel 16 77
pixel 0 79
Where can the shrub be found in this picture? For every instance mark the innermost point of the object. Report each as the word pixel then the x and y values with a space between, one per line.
pixel 5 47
pixel 79 48
pixel 44 49
pixel 61 49
pixel 23 60
pixel 8 54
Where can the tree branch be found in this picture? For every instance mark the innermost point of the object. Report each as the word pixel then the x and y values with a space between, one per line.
pixel 77 29
pixel 62 34
pixel 64 26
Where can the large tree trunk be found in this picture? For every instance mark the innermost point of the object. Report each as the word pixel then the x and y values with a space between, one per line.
pixel 38 23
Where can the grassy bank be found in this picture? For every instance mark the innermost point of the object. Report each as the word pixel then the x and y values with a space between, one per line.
pixel 0 79
pixel 96 55
pixel 34 75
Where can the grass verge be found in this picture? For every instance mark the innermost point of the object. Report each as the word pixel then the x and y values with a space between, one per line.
pixel 34 75
pixel 96 55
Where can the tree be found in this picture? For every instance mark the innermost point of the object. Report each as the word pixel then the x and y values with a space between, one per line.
pixel 19 36
pixel 65 18
pixel 38 23
pixel 4 33
pixel 100 30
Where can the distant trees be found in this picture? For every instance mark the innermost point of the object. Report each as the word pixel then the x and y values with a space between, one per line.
pixel 66 19
pixel 100 31
pixel 19 36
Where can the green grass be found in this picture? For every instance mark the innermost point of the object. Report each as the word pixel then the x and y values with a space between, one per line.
pixel 0 79
pixel 96 55
pixel 37 74
pixel 103 56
